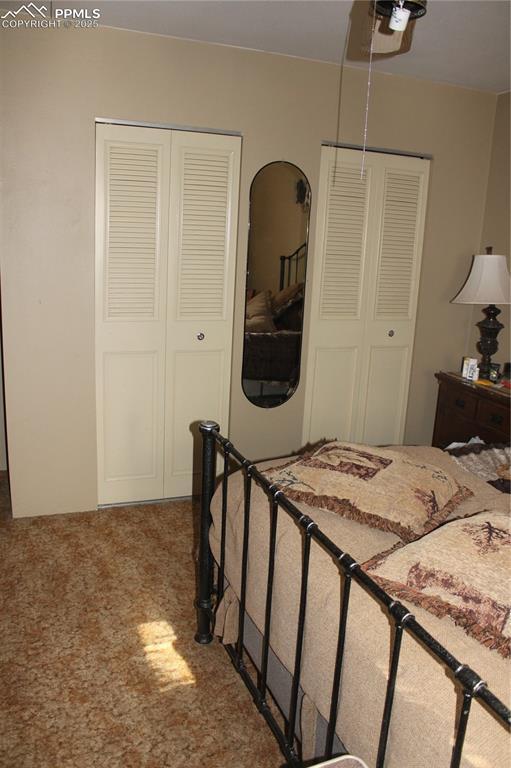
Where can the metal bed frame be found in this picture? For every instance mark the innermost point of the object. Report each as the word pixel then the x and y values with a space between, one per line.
pixel 209 595
pixel 289 266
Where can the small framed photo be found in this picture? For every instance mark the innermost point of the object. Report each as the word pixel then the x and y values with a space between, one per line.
pixel 469 368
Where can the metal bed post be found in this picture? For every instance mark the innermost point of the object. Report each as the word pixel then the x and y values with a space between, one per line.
pixel 244 568
pixel 339 657
pixel 400 615
pixel 204 604
pixel 309 526
pixel 282 278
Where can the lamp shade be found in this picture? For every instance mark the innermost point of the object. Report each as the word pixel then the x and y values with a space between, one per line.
pixel 487 283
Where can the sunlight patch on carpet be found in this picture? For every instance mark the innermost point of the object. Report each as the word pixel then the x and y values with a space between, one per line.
pixel 170 668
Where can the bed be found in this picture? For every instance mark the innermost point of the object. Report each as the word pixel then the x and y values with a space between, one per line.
pixel 273 340
pixel 273 335
pixel 347 644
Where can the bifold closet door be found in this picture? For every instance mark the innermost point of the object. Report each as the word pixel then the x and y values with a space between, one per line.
pixel 166 217
pixel 132 210
pixel 202 254
pixel 364 295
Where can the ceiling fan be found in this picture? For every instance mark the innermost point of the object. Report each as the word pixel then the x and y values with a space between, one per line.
pixel 382 28
pixel 400 11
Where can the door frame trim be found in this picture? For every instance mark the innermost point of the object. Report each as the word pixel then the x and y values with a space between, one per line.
pixel 381 150
pixel 165 126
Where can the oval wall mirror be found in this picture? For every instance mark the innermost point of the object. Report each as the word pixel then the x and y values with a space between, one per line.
pixel 275 287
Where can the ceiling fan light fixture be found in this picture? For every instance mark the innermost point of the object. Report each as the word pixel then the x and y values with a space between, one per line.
pixel 417 8
pixel 399 19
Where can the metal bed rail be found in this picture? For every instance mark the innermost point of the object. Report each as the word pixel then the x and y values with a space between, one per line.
pixel 289 266
pixel 467 680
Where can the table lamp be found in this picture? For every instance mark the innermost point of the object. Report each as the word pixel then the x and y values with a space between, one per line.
pixel 487 283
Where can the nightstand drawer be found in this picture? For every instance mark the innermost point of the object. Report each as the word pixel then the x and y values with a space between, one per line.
pixel 466 410
pixel 458 402
pixel 493 415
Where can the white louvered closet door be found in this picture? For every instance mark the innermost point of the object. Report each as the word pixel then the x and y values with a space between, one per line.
pixel 338 300
pixel 393 287
pixel 203 222
pixel 132 204
pixel 166 221
pixel 364 295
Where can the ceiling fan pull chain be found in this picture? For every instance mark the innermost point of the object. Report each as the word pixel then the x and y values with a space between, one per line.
pixel 362 167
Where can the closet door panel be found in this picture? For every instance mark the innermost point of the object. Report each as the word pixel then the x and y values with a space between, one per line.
pixel 198 379
pixel 400 248
pixel 384 412
pixel 132 202
pixel 334 381
pixel 393 289
pixel 202 255
pixel 131 442
pixel 338 296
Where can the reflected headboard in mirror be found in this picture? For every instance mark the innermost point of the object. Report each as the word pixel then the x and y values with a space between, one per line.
pixel 275 287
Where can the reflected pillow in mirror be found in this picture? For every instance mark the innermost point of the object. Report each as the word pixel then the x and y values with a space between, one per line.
pixel 286 295
pixel 260 305
pixel 259 324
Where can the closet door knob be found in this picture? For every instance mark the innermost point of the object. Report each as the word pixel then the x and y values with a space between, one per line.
pixel 200 336
pixel 390 333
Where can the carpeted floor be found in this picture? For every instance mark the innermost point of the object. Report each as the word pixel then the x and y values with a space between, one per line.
pixel 98 666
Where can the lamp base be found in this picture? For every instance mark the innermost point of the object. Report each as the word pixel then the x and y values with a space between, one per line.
pixel 488 344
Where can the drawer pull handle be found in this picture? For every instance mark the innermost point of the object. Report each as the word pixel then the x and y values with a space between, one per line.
pixel 496 418
pixel 459 402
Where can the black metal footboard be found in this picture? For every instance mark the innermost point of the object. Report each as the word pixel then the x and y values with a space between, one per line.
pixel 289 266
pixel 468 681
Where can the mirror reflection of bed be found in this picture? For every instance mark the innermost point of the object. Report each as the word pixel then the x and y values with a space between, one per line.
pixel 275 287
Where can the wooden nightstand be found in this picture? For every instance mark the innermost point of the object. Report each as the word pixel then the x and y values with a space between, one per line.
pixel 466 410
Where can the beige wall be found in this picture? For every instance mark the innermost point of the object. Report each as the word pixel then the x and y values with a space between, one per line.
pixel 56 82
pixel 496 222
pixel 3 445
